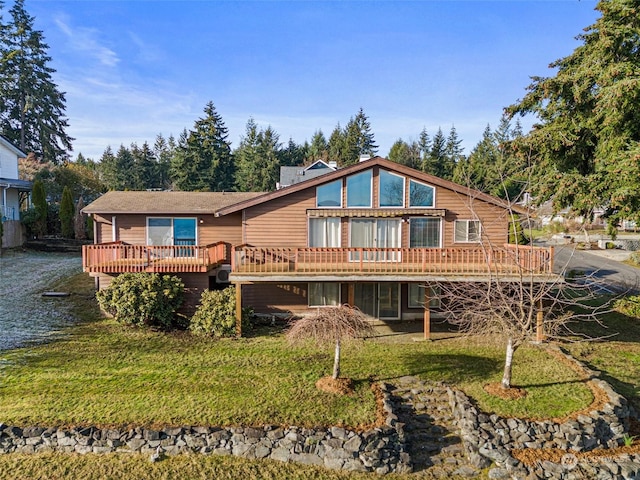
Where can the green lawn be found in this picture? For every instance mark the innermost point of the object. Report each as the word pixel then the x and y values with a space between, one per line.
pixel 105 374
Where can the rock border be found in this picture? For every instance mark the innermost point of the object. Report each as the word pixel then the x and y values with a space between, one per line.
pixel 490 439
pixel 379 449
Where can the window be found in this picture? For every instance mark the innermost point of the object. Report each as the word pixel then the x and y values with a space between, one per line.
pixel 359 189
pixel 424 233
pixel 391 189
pixel 420 194
pixel 467 231
pixel 375 233
pixel 324 232
pixel 324 294
pixel 167 231
pixel 329 195
pixel 416 296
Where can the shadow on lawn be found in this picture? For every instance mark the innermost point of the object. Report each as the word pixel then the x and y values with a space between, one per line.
pixel 449 367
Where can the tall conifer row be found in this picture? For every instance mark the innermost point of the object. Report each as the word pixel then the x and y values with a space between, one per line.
pixel 32 109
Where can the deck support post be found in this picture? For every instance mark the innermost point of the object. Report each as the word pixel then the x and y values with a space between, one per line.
pixel 238 287
pixel 540 324
pixel 427 314
pixel 351 294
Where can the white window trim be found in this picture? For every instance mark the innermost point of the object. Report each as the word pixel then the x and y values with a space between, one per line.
pixel 323 306
pixel 325 219
pixel 342 187
pixel 433 205
pixel 439 227
pixel 173 239
pixel 404 187
pixel 346 186
pixel 467 221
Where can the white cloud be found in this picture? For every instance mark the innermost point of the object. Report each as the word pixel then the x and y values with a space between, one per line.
pixel 85 40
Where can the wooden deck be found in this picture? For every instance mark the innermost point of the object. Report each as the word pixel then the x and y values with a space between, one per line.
pixel 508 260
pixel 119 257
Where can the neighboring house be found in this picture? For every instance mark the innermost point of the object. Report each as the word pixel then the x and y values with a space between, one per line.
pixel 12 189
pixel 292 175
pixel 369 235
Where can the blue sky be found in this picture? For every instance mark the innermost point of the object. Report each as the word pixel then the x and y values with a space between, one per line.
pixel 134 69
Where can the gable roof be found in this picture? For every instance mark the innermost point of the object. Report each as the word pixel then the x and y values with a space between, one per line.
pixel 364 165
pixel 7 143
pixel 166 203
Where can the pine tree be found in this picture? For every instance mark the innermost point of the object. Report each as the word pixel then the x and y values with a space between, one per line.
pixel 247 158
pixel 144 172
pixel 337 146
pixel 203 160
pixel 32 109
pixel 67 213
pixel 294 154
pixel 436 160
pixel 319 148
pixel 359 140
pixel 39 199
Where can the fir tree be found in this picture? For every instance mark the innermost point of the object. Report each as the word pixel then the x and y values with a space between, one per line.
pixel 32 109
pixel 67 213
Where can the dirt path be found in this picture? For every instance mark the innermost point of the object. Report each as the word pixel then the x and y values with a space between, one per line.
pixel 25 316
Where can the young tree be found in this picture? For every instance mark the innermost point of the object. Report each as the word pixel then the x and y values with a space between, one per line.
pixel 67 213
pixel 586 144
pixel 32 109
pixel 39 199
pixel 331 326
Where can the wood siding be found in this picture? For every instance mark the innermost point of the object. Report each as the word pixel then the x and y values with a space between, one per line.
pixel 283 221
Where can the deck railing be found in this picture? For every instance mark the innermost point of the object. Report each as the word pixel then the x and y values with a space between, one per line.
pixel 510 259
pixel 120 257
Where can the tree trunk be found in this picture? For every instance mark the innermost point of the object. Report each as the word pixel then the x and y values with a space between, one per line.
pixel 508 362
pixel 336 361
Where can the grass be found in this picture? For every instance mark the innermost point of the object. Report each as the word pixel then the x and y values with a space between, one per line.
pixel 617 357
pixel 108 375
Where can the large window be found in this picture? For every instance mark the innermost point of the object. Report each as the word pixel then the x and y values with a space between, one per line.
pixel 380 300
pixel 375 233
pixel 416 296
pixel 359 189
pixel 324 294
pixel 391 189
pixel 467 231
pixel 421 194
pixel 329 195
pixel 424 232
pixel 324 232
pixel 171 231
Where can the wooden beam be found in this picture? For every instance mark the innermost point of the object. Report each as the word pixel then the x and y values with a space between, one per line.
pixel 427 314
pixel 238 287
pixel 351 294
pixel 540 325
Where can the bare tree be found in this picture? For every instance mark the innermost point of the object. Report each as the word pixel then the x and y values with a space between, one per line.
pixel 521 297
pixel 329 326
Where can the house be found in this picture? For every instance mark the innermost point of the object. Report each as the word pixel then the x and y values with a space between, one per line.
pixel 292 175
pixel 11 195
pixel 370 235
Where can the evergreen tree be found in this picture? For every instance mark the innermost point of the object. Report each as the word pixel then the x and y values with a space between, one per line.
pixel 144 172
pixel 67 213
pixel 39 199
pixel 319 148
pixel 108 169
pixel 405 154
pixel 454 151
pixel 424 144
pixel 294 154
pixel 586 144
pixel 337 146
pixel 269 154
pixel 163 151
pixel 359 140
pixel 32 109
pixel 247 159
pixel 203 160
pixel 437 162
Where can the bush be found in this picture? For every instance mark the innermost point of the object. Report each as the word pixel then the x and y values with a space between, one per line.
pixel 216 314
pixel 143 299
pixel 635 258
pixel 629 306
pixel 516 233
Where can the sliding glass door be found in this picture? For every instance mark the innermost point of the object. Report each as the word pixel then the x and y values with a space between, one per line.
pixel 375 233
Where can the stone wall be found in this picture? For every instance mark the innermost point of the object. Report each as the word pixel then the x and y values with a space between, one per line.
pixel 491 439
pixel 380 449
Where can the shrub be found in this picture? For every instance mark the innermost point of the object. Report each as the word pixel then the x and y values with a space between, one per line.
pixel 143 299
pixel 629 306
pixel 635 258
pixel 516 233
pixel 216 314
pixel 67 213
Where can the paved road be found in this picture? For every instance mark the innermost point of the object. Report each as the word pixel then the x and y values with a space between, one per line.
pixel 614 274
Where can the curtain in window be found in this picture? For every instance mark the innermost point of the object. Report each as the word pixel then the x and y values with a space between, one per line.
pixel 324 232
pixel 424 233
